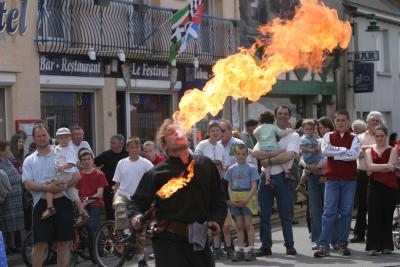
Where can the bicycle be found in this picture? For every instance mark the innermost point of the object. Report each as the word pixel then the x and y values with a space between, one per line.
pixel 112 248
pixel 81 246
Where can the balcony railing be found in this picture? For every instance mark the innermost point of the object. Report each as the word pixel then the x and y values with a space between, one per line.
pixel 142 32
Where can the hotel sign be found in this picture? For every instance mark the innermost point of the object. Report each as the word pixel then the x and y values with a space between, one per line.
pixel 70 67
pixel 12 19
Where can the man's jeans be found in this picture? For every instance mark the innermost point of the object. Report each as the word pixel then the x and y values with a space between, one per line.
pixel 316 205
pixel 283 191
pixel 339 200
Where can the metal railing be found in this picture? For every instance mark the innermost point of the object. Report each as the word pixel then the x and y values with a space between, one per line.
pixel 142 32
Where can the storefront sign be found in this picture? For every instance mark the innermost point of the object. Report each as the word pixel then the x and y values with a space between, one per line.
pixel 363 56
pixel 193 74
pixel 66 66
pixel 14 18
pixel 150 71
pixel 363 77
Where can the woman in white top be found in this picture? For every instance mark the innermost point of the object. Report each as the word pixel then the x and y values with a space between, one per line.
pixel 210 147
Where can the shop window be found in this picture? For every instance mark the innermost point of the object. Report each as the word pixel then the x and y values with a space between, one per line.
pixel 2 114
pixel 68 109
pixel 147 113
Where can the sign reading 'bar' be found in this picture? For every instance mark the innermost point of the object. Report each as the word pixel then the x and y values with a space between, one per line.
pixel 363 56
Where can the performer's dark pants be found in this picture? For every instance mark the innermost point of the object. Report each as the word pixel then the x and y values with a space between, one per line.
pixel 172 250
pixel 361 195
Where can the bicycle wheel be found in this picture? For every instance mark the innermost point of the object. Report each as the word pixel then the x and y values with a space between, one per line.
pixel 26 252
pixel 108 247
pixel 85 244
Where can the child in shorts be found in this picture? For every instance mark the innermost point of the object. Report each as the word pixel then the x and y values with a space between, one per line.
pixel 65 164
pixel 242 177
pixel 267 135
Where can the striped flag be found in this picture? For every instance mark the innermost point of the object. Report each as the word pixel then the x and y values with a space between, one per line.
pixel 185 26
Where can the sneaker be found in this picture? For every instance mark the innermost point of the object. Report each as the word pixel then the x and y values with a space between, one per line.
pixel 238 255
pixel 386 251
pixel 344 250
pixel 229 253
pixel 314 246
pixel 142 263
pixel 263 252
pixel 219 254
pixel 373 253
pixel 250 255
pixel 321 253
pixel 50 211
pixel 291 251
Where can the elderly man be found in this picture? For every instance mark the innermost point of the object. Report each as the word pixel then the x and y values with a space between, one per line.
pixel 367 139
pixel 108 161
pixel 282 188
pixel 77 141
pixel 38 171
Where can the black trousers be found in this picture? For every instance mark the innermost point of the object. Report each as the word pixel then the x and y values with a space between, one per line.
pixel 108 198
pixel 382 202
pixel 361 200
pixel 172 250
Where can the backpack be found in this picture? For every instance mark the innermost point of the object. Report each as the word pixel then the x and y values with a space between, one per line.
pixel 5 186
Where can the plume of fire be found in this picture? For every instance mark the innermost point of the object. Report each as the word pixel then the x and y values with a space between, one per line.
pixel 304 41
pixel 176 183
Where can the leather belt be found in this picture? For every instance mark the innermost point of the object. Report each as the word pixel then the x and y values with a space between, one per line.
pixel 175 227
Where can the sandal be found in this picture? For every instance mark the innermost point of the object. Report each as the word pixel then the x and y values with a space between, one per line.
pixel 50 211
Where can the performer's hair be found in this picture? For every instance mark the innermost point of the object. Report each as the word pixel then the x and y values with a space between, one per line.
pixel 162 132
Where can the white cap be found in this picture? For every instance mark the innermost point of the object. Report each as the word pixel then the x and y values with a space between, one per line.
pixel 62 131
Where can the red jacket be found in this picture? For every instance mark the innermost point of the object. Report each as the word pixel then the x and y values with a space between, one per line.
pixel 339 169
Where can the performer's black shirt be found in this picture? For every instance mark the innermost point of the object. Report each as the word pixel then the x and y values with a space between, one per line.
pixel 201 200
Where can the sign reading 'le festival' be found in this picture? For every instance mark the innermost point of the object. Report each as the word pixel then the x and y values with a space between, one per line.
pixel 150 71
pixel 13 18
pixel 66 66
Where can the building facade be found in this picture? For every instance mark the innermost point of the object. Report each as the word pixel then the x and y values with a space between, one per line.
pixel 309 95
pixel 103 67
pixel 374 82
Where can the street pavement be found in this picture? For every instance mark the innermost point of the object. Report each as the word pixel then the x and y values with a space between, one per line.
pixel 305 255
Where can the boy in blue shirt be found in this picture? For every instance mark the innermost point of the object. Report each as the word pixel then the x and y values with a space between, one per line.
pixel 242 178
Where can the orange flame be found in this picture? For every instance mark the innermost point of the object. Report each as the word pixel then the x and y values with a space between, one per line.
pixel 176 183
pixel 304 41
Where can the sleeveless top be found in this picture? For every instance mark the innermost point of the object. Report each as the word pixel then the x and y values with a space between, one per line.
pixel 387 178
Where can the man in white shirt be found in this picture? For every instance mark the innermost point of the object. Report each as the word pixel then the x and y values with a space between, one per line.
pixel 77 141
pixel 127 176
pixel 282 188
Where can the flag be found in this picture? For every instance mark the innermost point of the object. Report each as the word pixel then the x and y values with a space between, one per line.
pixel 185 26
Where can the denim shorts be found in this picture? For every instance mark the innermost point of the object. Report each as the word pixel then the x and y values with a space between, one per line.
pixel 239 211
